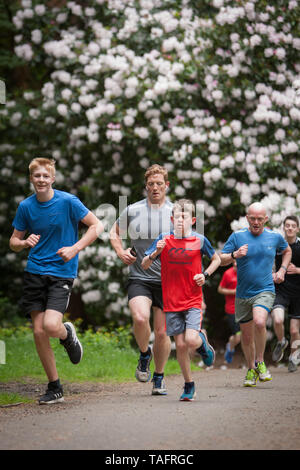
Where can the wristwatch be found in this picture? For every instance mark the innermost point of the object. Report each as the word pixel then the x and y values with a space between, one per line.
pixel 232 255
pixel 205 274
pixel 152 259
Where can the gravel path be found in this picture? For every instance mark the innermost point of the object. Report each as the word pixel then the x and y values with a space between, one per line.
pixel 225 415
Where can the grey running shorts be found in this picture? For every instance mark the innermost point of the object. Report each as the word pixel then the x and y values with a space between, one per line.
pixel 244 307
pixel 178 322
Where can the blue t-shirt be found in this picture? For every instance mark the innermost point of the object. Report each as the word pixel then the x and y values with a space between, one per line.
pixel 254 271
pixel 56 221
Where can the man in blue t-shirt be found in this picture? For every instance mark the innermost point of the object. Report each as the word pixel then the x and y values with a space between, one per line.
pixel 254 249
pixel 51 218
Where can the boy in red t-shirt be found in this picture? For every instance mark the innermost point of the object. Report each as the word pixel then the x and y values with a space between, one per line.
pixel 182 280
pixel 227 287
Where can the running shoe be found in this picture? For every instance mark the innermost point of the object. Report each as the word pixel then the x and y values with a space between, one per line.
pixel 189 393
pixel 251 378
pixel 52 395
pixel 228 354
pixel 159 385
pixel 72 344
pixel 206 351
pixel 291 366
pixel 143 373
pixel 263 373
pixel 279 350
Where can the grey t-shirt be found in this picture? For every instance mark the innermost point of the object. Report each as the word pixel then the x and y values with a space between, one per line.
pixel 143 223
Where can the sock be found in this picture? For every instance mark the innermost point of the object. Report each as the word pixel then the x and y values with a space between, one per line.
pixel 156 374
pixel 54 384
pixel 147 353
pixel 282 341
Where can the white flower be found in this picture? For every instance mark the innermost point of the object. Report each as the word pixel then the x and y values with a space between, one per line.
pixel 62 110
pixel 93 48
pixel 91 296
pixel 24 52
pixel 128 120
pixel 280 53
pixel 142 132
pixel 40 9
pixel 36 36
pixel 280 134
pixel 255 40
pixel 197 163
pixel 226 131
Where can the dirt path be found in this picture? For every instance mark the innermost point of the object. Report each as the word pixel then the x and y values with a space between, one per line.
pixel 225 415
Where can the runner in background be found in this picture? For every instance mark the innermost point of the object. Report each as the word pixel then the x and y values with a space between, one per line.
pixel 227 287
pixel 142 222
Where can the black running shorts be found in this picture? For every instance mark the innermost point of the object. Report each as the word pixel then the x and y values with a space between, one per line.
pixel 45 292
pixel 290 304
pixel 151 290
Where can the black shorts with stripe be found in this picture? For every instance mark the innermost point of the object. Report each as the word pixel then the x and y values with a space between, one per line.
pixel 45 292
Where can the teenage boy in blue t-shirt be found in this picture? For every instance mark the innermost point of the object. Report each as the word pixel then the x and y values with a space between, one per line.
pixel 51 218
pixel 254 249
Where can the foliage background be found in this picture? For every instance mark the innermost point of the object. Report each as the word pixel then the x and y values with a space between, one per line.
pixel 210 89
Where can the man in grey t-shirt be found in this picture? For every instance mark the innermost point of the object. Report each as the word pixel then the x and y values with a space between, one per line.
pixel 143 222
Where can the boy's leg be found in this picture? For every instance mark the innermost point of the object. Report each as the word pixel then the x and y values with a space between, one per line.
pixel 183 357
pixel 43 346
pixel 162 342
pixel 295 334
pixel 278 322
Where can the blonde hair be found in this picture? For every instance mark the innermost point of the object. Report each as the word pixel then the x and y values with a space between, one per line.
pixel 49 163
pixel 156 170
pixel 184 205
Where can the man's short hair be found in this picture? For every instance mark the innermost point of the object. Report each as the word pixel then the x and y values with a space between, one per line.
pixel 156 170
pixel 184 205
pixel 294 218
pixel 49 163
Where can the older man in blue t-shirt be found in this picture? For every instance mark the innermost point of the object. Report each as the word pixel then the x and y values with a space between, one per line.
pixel 254 249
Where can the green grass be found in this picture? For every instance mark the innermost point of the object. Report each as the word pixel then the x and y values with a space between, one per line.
pixel 13 398
pixel 108 357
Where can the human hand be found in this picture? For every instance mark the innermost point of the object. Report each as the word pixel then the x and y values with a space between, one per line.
pixel 67 253
pixel 199 279
pixel 32 240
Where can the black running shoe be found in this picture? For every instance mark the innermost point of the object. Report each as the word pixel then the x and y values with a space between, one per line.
pixel 72 344
pixel 52 395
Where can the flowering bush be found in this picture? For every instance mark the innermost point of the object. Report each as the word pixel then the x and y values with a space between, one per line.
pixel 210 89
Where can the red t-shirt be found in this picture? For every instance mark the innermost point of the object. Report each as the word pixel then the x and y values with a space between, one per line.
pixel 229 281
pixel 181 259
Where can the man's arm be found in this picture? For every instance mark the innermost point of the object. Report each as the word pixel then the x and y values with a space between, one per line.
pixel 286 258
pixel 213 266
pixel 117 244
pixel 17 242
pixel 95 228
pixel 226 258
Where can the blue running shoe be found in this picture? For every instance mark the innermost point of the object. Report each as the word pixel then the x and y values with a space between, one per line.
pixel 189 393
pixel 206 351
pixel 159 385
pixel 229 354
pixel 143 373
